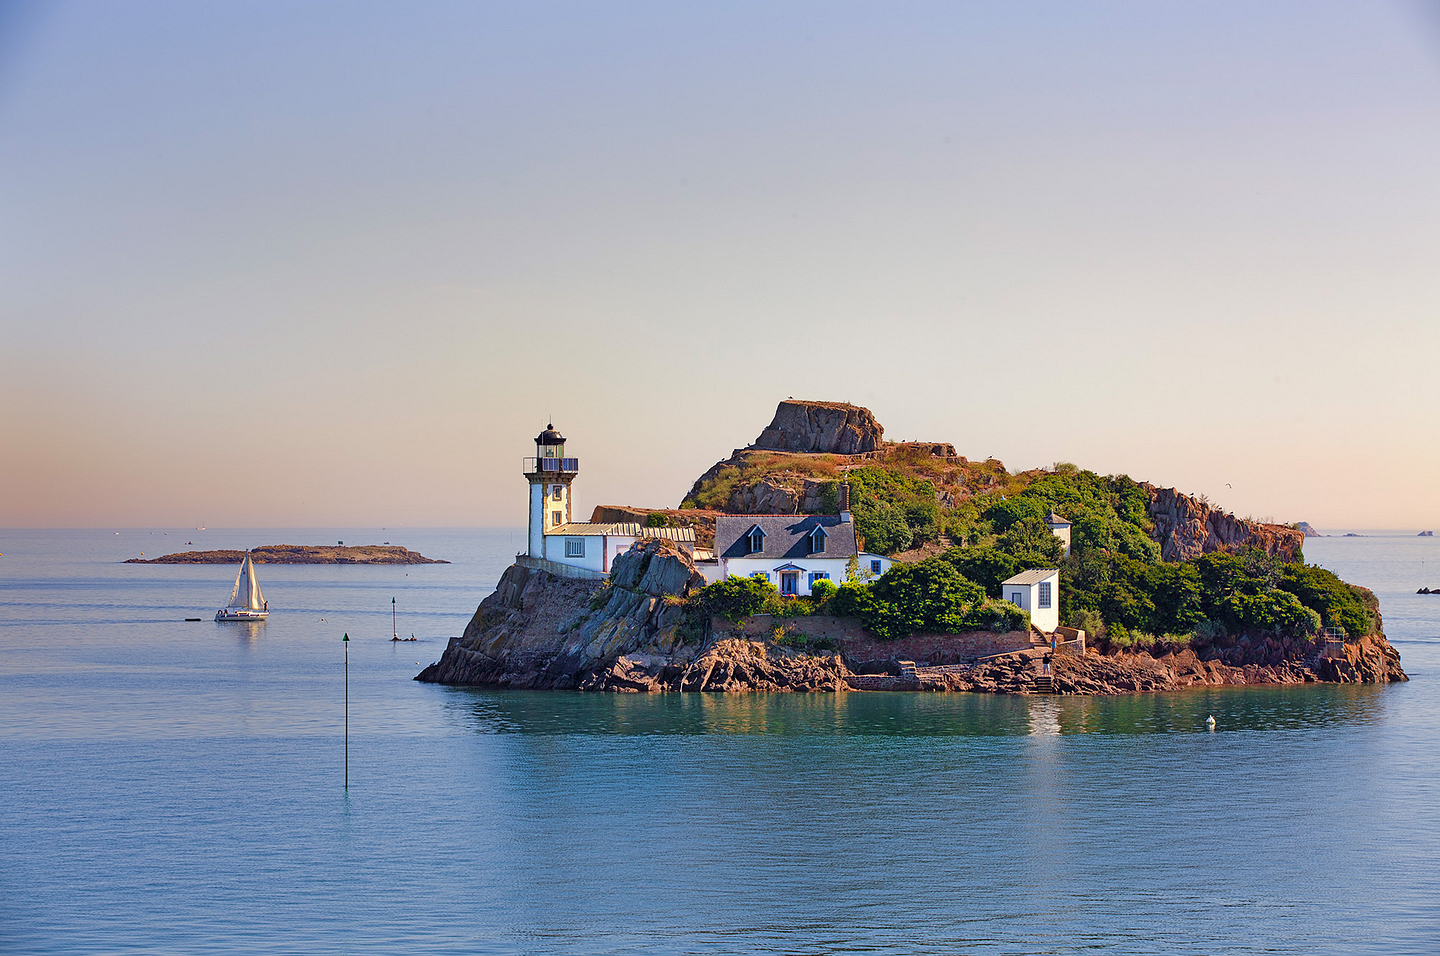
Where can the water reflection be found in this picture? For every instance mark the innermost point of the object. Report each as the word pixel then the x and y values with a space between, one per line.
pixel 245 633
pixel 1255 709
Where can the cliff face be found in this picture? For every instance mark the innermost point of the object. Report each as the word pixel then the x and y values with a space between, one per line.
pixel 541 631
pixel 1186 527
pixel 833 428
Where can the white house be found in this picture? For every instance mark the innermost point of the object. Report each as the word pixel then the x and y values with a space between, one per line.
pixel 1038 592
pixel 792 551
pixel 582 544
pixel 554 538
pixel 1060 528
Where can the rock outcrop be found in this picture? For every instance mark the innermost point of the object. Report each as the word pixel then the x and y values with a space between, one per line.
pixel 821 428
pixel 1187 527
pixel 540 630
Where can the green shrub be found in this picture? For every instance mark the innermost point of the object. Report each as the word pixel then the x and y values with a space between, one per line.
pixel 851 600
pixel 821 593
pixel 928 596
pixel 735 597
pixel 1338 604
pixel 1031 543
pixel 987 567
pixel 893 511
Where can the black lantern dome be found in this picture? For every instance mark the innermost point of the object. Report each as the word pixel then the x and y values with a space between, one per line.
pixel 550 436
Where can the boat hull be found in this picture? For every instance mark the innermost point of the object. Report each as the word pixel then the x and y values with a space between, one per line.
pixel 240 614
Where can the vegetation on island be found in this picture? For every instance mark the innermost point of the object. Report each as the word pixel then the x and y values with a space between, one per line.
pixel 1114 584
pixel 928 596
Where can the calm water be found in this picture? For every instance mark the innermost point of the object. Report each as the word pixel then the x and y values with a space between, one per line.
pixel 172 787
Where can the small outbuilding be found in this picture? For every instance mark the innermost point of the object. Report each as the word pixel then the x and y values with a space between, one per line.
pixel 1037 591
pixel 1060 528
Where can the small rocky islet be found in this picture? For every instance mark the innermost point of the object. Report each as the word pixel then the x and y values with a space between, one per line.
pixel 638 630
pixel 299 554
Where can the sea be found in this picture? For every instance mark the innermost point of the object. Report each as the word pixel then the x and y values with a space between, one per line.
pixel 188 787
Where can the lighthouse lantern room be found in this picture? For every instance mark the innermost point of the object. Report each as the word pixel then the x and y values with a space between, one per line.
pixel 550 474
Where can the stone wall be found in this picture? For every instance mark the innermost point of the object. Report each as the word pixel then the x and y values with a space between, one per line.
pixel 847 636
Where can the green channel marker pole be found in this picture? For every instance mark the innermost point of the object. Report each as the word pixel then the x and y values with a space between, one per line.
pixel 346 640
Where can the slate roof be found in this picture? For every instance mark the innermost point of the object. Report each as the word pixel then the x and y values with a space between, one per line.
pixel 786 536
pixel 1030 577
pixel 1053 519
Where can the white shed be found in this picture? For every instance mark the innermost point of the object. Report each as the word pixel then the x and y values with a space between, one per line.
pixel 1038 592
pixel 1060 527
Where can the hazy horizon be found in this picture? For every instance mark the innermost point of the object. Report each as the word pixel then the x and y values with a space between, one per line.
pixel 277 266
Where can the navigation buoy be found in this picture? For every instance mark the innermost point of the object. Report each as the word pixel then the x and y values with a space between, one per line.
pixel 1210 721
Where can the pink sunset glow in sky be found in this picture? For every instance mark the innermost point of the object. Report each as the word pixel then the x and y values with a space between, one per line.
pixel 320 264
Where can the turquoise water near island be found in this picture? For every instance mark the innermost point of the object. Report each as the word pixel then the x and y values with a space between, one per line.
pixel 174 787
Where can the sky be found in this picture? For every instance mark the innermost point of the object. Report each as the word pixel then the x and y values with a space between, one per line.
pixel 316 264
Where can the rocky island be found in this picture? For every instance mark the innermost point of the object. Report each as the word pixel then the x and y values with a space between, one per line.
pixel 1159 590
pixel 299 554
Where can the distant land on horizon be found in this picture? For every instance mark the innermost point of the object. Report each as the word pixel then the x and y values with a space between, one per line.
pixel 298 554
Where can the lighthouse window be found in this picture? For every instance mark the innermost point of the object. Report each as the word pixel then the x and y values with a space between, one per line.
pixel 574 547
pixel 557 517
pixel 556 493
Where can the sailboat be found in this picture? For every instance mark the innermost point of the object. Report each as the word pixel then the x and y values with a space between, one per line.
pixel 246 601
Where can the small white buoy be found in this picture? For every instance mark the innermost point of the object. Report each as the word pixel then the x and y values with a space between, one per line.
pixel 1210 721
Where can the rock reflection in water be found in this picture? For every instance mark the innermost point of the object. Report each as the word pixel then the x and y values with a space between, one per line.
pixel 1254 709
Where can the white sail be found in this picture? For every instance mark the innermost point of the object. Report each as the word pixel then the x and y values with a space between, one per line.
pixel 257 600
pixel 235 591
pixel 247 588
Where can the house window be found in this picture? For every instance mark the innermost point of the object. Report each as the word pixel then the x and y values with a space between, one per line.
pixel 757 540
pixel 574 547
pixel 817 540
pixel 557 517
pixel 1044 600
pixel 818 576
pixel 1017 599
pixel 557 492
pixel 874 567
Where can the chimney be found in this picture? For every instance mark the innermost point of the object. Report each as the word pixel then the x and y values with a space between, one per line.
pixel 842 500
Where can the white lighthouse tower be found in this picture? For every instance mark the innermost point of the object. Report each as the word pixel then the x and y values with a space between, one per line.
pixel 550 474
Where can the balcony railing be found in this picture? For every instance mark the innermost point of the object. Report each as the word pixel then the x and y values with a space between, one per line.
pixel 563 466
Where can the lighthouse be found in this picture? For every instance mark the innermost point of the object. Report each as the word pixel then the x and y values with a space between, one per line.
pixel 550 474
